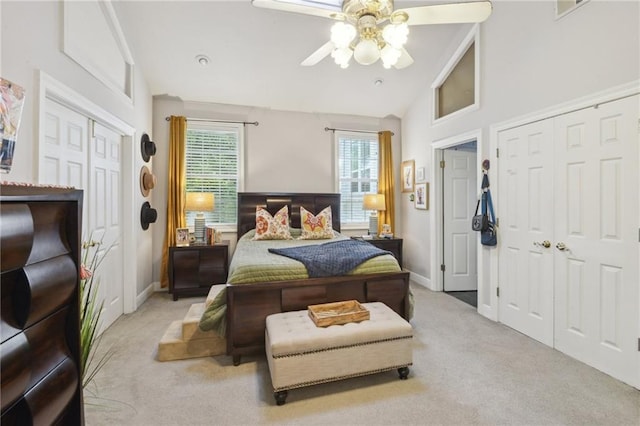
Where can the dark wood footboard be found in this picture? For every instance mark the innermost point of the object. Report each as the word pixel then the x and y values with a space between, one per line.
pixel 249 305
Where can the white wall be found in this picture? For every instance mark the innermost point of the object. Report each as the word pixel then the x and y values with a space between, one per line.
pixel 286 152
pixel 31 36
pixel 528 61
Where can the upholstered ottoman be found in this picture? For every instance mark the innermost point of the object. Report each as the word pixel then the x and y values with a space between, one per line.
pixel 301 354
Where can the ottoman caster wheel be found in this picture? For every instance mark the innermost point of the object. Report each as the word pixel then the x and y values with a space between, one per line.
pixel 281 397
pixel 403 372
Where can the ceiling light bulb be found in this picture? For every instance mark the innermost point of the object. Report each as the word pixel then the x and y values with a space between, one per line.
pixel 342 56
pixel 396 34
pixel 342 34
pixel 366 52
pixel 390 56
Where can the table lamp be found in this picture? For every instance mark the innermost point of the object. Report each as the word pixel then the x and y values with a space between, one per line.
pixel 199 202
pixel 375 203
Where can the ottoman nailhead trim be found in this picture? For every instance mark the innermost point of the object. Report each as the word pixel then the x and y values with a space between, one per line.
pixel 333 379
pixel 391 339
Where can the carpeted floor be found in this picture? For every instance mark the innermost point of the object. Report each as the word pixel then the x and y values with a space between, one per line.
pixel 467 370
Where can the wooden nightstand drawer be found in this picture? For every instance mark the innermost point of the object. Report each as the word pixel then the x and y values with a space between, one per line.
pixel 194 269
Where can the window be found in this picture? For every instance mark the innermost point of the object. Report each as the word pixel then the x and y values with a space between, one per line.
pixel 357 174
pixel 456 89
pixel 213 164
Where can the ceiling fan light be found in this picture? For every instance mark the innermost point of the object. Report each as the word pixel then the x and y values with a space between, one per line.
pixel 389 56
pixel 366 52
pixel 342 34
pixel 396 34
pixel 342 56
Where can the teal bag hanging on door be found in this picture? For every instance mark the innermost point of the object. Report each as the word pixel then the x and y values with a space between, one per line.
pixel 488 236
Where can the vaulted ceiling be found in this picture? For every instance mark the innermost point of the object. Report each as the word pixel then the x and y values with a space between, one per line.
pixel 255 57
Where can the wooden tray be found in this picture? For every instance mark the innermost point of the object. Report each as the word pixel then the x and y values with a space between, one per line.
pixel 338 313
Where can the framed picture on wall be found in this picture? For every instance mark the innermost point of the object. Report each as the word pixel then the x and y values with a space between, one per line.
pixel 422 196
pixel 408 175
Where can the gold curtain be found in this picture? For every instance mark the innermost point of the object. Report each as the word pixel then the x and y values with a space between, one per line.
pixel 175 191
pixel 386 182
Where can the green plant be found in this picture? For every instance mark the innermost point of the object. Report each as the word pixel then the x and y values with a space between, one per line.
pixel 90 311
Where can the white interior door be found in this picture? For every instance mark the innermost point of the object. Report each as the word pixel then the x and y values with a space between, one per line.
pixel 459 240
pixel 525 272
pixel 596 205
pixel 106 216
pixel 73 157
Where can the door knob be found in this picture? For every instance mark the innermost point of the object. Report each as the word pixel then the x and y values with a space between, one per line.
pixel 545 244
pixel 561 246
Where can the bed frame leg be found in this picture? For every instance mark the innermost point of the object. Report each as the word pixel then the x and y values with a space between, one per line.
pixel 236 360
pixel 403 372
pixel 281 397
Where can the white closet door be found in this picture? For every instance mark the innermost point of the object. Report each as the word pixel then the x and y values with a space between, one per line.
pixel 460 241
pixel 596 207
pixel 106 217
pixel 63 161
pixel 71 156
pixel 525 273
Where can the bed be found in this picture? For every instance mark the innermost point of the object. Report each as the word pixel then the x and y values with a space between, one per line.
pixel 249 303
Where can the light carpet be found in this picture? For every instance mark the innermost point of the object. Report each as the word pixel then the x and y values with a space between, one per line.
pixel 467 370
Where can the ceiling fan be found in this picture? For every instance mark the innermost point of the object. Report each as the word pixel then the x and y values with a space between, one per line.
pixel 368 30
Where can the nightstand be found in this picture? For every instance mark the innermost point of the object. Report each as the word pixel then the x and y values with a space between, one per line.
pixel 195 268
pixel 394 245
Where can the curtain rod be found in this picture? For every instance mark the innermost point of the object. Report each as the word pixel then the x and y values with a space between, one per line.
pixel 255 123
pixel 326 129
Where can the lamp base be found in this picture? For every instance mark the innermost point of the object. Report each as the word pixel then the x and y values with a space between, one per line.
pixel 373 225
pixel 198 228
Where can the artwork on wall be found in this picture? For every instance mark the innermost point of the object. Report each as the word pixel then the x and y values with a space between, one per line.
pixel 422 196
pixel 11 103
pixel 420 174
pixel 408 177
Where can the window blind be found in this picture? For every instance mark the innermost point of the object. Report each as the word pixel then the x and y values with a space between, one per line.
pixel 358 155
pixel 212 165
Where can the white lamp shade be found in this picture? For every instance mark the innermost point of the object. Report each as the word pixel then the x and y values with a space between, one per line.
pixel 366 52
pixel 200 202
pixel 374 202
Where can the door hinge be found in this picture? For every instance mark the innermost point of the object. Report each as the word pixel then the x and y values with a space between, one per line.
pixel 638 344
pixel 498 291
pixel 498 222
pixel 497 152
pixel 442 164
pixel 442 267
pixel 638 125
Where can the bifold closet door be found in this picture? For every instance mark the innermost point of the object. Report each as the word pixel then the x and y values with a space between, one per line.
pixel 525 199
pixel 596 237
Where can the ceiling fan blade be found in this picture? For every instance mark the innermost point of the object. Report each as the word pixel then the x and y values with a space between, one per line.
pixel 453 13
pixel 319 54
pixel 325 12
pixel 404 60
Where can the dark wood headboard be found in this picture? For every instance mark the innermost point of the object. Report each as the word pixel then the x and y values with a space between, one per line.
pixel 274 201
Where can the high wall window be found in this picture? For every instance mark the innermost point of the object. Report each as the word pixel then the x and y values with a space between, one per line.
pixel 213 164
pixel 456 89
pixel 357 157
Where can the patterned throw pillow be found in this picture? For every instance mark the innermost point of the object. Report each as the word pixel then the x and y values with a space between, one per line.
pixel 272 227
pixel 316 227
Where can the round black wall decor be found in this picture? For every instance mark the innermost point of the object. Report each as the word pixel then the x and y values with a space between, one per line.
pixel 147 215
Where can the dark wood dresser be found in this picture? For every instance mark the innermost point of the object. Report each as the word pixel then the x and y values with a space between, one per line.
pixel 40 327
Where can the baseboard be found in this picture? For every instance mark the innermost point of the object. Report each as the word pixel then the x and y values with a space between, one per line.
pixel 144 295
pixel 419 279
pixel 157 286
